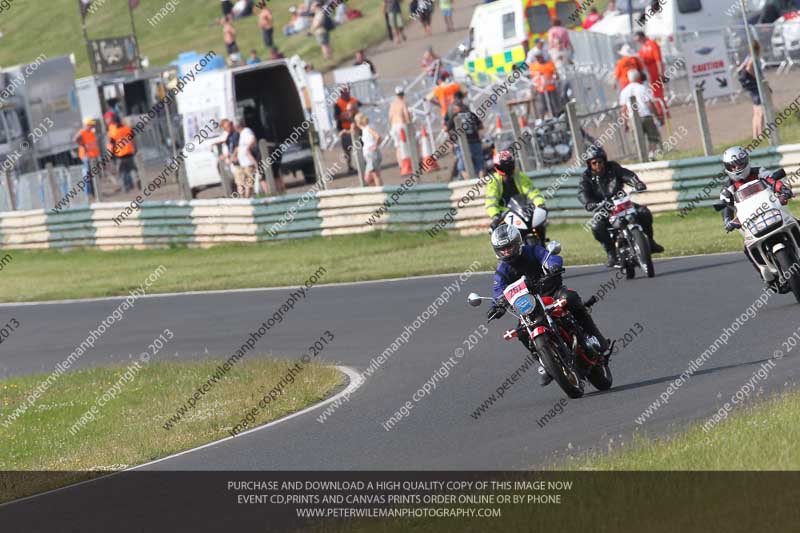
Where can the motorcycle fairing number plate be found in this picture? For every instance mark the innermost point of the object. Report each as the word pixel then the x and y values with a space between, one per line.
pixel 518 295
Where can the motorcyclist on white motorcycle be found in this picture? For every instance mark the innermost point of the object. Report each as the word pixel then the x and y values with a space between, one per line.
pixel 517 260
pixel 736 162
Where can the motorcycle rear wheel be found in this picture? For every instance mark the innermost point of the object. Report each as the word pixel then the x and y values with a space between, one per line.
pixel 567 379
pixel 786 260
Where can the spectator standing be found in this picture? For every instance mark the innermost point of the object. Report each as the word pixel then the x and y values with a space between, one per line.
pixel 344 110
pixel 423 9
pixel 591 19
pixel 231 141
pixel 266 24
pixel 650 54
pixel 444 93
pixel 370 144
pixel 253 59
pixel 395 12
pixel 559 44
pixel 229 37
pixel 399 118
pixel 628 61
pixel 611 8
pixel 245 154
pixel 538 45
pixel 88 152
pixel 644 105
pixel 447 14
pixel 472 127
pixel 430 62
pixel 544 76
pixel 361 59
pixel 747 77
pixel 227 7
pixel 123 147
pixel 319 27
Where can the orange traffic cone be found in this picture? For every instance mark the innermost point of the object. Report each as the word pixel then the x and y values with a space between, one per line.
pixel 498 124
pixel 428 161
pixel 404 150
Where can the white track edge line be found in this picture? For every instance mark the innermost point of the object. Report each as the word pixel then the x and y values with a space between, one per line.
pixel 355 383
pixel 321 286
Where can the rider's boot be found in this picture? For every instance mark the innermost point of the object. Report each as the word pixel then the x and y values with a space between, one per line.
pixel 611 253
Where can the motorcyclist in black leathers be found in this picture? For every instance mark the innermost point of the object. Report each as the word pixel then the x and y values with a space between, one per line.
pixel 602 181
pixel 516 261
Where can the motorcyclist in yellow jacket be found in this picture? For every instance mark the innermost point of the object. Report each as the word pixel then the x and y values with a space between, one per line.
pixel 505 184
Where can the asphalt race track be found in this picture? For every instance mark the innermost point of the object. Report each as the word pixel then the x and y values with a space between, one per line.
pixel 681 312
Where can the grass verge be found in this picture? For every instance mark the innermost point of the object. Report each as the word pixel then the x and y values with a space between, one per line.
pixel 51 275
pixel 187 26
pixel 759 437
pixel 128 430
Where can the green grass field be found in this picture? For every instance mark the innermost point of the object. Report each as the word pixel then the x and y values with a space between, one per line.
pixel 50 275
pixel 128 429
pixel 760 437
pixel 192 26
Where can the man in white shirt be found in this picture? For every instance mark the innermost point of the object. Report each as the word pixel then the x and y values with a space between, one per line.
pixel 644 105
pixel 538 44
pixel 245 177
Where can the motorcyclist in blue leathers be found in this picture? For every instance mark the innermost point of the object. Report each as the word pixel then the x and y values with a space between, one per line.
pixel 516 261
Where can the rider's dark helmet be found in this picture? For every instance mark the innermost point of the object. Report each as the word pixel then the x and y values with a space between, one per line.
pixel 504 162
pixel 507 242
pixel 595 152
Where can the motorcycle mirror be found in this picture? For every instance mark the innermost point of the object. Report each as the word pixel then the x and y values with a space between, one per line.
pixel 474 300
pixel 554 247
pixel 779 174
pixel 719 206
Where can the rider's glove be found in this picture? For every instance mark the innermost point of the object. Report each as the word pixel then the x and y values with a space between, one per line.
pixel 640 186
pixel 785 194
pixel 591 206
pixel 496 221
pixel 731 225
pixel 495 312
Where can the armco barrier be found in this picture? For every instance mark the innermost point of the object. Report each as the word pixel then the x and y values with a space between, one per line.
pixel 671 185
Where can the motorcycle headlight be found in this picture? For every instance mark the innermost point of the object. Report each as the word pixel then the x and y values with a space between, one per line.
pixel 548 151
pixel 763 223
pixel 563 150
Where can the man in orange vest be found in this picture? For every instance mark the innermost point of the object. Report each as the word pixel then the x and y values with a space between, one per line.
pixel 122 145
pixel 344 110
pixel 88 152
pixel 650 53
pixel 629 61
pixel 544 76
pixel 444 93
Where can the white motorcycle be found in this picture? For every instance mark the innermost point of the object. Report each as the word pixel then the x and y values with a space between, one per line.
pixel 531 221
pixel 771 234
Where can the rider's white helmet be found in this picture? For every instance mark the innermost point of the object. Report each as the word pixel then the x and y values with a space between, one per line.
pixel 736 161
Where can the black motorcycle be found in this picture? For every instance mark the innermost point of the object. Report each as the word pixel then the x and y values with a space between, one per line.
pixel 630 242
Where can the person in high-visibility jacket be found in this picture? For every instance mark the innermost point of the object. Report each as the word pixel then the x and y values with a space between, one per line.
pixel 88 152
pixel 505 184
pixel 122 145
pixel 544 76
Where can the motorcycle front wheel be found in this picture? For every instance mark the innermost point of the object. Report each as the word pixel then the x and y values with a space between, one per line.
pixel 642 248
pixel 548 349
pixel 786 263
pixel 600 377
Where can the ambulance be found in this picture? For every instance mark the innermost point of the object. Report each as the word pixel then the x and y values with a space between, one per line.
pixel 491 53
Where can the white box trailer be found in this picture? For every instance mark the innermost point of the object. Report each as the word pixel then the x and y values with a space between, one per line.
pixel 40 112
pixel 273 97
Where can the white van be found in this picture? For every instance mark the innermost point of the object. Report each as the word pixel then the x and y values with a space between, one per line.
pixel 666 18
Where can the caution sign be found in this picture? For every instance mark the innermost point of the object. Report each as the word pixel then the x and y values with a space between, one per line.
pixel 707 61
